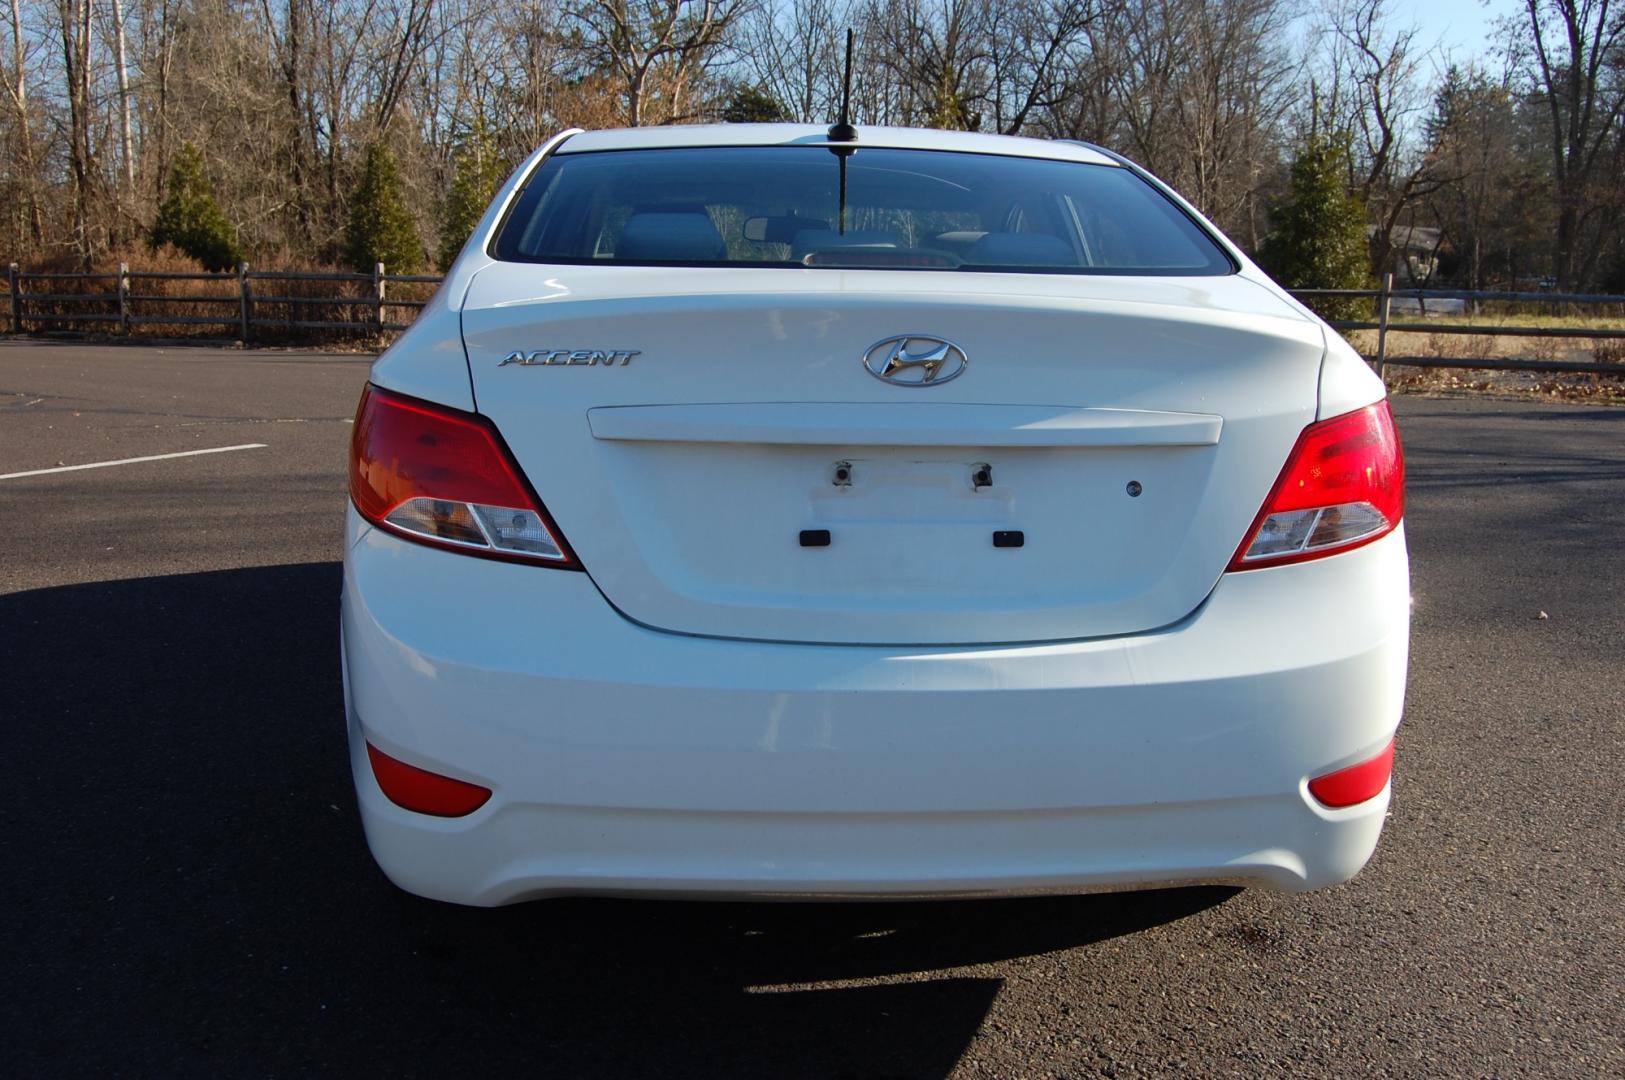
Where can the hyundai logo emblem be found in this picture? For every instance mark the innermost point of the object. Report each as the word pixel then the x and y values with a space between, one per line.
pixel 915 360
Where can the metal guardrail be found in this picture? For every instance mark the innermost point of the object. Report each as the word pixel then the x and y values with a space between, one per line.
pixel 126 309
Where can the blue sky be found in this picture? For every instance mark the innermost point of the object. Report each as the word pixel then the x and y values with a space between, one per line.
pixel 1462 26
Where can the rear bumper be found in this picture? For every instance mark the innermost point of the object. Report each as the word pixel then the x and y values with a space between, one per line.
pixel 624 760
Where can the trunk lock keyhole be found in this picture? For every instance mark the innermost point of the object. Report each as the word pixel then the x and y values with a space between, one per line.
pixel 843 474
pixel 981 475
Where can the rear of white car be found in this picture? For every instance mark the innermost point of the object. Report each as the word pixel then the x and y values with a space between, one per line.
pixel 935 514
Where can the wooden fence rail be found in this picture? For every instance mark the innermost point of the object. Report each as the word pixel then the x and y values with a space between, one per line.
pixel 1384 325
pixel 239 307
pixel 247 292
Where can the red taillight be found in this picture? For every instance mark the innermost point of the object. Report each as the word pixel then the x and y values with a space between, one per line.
pixel 1357 783
pixel 423 791
pixel 444 477
pixel 1343 486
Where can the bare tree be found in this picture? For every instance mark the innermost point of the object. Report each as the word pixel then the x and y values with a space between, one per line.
pixel 73 26
pixel 403 39
pixel 26 175
pixel 523 67
pixel 1195 90
pixel 935 53
pixel 655 47
pixel 156 35
pixel 122 68
pixel 794 52
pixel 1378 98
pixel 1573 42
pixel 1235 85
pixel 1031 45
pixel 1491 201
pixel 284 97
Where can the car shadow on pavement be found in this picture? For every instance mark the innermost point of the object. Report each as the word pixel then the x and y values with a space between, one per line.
pixel 191 893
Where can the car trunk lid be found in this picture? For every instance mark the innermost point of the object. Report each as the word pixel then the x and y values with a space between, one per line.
pixel 722 462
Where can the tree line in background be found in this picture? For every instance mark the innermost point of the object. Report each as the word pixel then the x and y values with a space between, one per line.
pixel 1334 143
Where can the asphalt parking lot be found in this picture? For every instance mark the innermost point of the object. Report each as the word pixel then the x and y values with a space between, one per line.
pixel 189 892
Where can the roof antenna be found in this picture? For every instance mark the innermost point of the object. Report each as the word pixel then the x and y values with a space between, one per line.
pixel 843 131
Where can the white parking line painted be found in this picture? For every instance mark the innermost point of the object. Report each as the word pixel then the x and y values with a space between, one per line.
pixel 131 460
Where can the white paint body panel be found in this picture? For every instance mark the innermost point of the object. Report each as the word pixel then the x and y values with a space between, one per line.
pixel 626 760
pixel 914 424
pixel 1346 380
pixel 692 135
pixel 703 712
pixel 1076 387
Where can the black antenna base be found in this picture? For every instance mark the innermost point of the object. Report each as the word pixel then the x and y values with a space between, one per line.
pixel 843 133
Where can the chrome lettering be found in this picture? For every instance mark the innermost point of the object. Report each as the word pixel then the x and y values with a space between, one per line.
pixel 570 358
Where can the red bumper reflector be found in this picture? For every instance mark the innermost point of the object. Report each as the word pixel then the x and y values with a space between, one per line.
pixel 423 791
pixel 1357 783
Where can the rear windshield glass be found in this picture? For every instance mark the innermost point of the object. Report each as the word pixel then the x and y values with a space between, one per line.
pixel 903 209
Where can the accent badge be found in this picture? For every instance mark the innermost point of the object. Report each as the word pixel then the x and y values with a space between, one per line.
pixel 571 357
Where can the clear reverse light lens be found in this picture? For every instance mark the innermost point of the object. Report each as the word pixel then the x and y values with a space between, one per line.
pixel 517 530
pixel 501 528
pixel 1310 530
pixel 439 519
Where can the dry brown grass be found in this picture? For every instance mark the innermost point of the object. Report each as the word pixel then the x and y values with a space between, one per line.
pixel 1609 350
pixel 1488 346
pixel 1491 346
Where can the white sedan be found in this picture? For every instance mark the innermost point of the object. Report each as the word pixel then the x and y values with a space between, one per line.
pixel 928 514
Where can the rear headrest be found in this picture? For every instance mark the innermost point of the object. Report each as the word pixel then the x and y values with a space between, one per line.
pixel 829 240
pixel 663 237
pixel 1021 249
pixel 958 239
